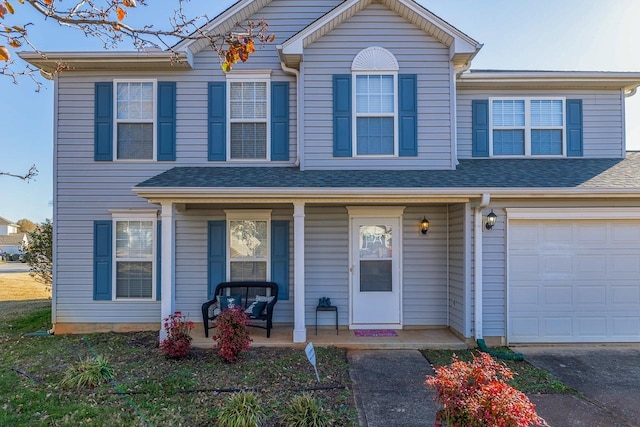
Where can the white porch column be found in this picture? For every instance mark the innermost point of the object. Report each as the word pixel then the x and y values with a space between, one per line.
pixel 299 324
pixel 167 304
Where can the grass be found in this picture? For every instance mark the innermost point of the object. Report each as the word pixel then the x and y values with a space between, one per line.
pixel 148 389
pixel 527 378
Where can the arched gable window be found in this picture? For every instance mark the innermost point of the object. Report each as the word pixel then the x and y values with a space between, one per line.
pixel 375 102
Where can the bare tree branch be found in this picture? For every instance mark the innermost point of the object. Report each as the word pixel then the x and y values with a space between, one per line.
pixel 106 21
pixel 31 174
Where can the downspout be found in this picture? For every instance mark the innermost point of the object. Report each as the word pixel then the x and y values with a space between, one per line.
pixel 477 295
pixel 296 73
pixel 477 264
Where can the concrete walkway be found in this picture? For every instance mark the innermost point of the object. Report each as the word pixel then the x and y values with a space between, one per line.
pixel 389 388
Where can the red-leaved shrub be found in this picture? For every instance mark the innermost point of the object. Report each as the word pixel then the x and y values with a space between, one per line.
pixel 178 341
pixel 475 394
pixel 233 335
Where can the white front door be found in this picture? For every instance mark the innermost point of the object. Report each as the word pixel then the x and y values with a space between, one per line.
pixel 375 272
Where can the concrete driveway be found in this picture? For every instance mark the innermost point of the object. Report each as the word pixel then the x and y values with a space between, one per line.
pixel 607 376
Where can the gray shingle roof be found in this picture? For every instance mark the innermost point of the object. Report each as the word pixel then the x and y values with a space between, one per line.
pixel 470 173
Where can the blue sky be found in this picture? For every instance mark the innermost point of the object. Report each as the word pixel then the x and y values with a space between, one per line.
pixel 592 35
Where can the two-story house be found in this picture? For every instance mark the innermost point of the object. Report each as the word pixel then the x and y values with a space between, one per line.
pixel 359 160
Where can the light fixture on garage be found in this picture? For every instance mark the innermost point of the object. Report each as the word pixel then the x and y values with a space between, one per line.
pixel 424 225
pixel 491 220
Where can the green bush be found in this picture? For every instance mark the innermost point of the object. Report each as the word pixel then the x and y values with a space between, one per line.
pixel 88 372
pixel 241 410
pixel 304 411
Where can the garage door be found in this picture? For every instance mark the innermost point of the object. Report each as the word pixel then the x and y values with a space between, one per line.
pixel 574 281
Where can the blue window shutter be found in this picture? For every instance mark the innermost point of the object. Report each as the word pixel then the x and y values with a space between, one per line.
pixel 408 114
pixel 102 260
pixel 480 128
pixel 159 262
pixel 166 121
pixel 342 115
pixel 217 121
pixel 574 128
pixel 103 117
pixel 280 257
pixel 279 120
pixel 216 255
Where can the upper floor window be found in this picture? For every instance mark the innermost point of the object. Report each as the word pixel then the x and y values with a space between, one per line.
pixel 527 126
pixel 134 256
pixel 248 106
pixel 375 101
pixel 135 105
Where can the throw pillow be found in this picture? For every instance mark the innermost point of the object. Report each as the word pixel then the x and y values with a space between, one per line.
pixel 255 308
pixel 230 302
pixel 264 298
pixel 214 309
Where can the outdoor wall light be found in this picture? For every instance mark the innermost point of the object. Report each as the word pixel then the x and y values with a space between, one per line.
pixel 491 220
pixel 424 225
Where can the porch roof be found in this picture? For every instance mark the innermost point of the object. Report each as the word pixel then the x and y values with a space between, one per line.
pixel 495 175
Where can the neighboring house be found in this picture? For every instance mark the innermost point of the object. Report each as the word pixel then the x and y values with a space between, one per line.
pixel 7 227
pixel 13 243
pixel 314 165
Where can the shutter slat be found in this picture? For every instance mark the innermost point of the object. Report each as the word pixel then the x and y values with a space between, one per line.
pixel 166 121
pixel 480 128
pixel 408 114
pixel 217 121
pixel 216 255
pixel 103 126
pixel 280 257
pixel 574 128
pixel 102 253
pixel 342 138
pixel 280 121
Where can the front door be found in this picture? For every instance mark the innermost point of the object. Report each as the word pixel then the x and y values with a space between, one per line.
pixel 375 270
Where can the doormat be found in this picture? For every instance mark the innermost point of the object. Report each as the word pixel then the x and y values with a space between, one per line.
pixel 375 333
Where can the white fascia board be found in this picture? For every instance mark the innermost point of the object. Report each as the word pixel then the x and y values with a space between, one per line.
pixel 593 79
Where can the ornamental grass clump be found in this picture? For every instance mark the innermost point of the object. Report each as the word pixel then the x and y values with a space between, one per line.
pixel 233 334
pixel 475 394
pixel 178 341
pixel 89 372
pixel 241 410
pixel 304 411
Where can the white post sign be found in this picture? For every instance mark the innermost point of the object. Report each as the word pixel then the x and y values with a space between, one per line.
pixel 311 355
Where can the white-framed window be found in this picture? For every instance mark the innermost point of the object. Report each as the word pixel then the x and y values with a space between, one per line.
pixel 135 123
pixel 249 106
pixel 249 245
pixel 134 256
pixel 375 102
pixel 527 126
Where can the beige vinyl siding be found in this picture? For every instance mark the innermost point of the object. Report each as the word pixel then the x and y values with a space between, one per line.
pixel 459 293
pixel 327 262
pixel 602 110
pixel 424 267
pixel 416 52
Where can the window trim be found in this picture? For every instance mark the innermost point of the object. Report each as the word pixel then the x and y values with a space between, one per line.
pixel 248 215
pixel 527 125
pixel 248 77
pixel 356 115
pixel 133 216
pixel 153 121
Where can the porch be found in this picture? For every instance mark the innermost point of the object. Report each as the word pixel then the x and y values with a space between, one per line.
pixel 437 338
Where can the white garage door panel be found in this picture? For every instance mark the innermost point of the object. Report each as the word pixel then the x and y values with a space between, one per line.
pixel 574 281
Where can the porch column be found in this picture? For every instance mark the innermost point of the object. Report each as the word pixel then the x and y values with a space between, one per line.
pixel 299 324
pixel 167 304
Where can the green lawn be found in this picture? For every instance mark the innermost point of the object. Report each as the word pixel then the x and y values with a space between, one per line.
pixel 149 390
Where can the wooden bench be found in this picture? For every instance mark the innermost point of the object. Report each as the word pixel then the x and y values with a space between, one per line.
pixel 248 293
